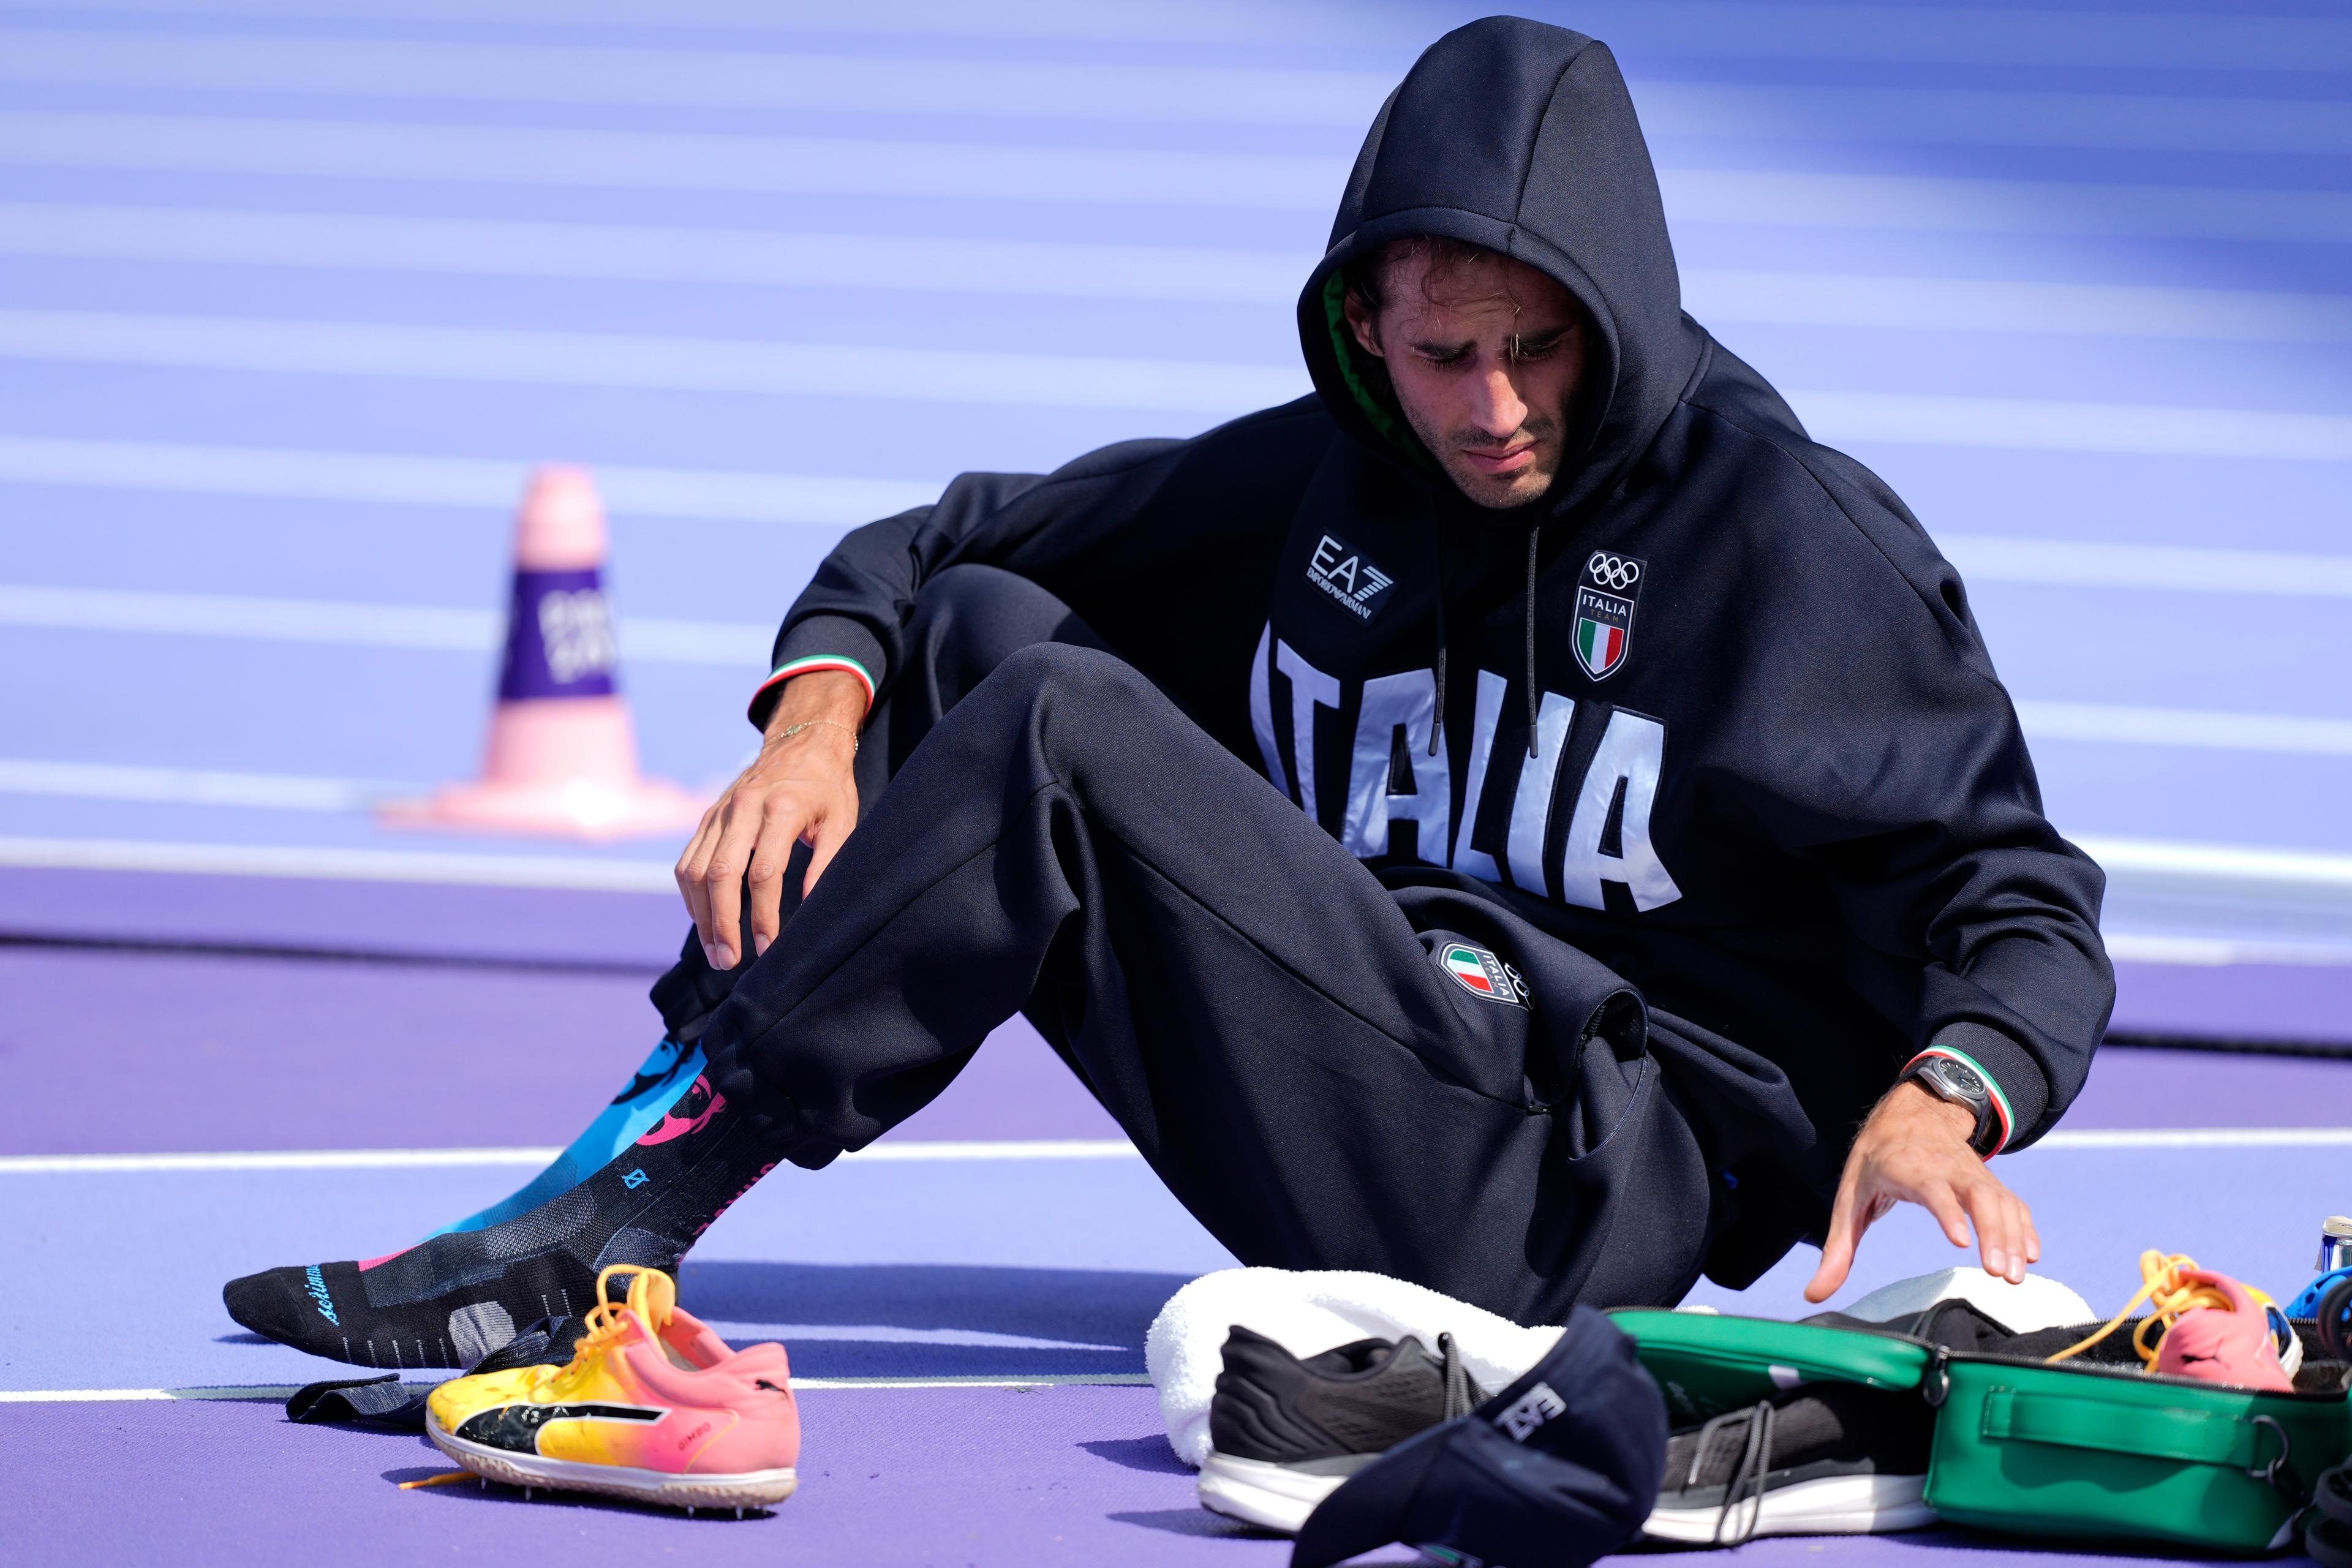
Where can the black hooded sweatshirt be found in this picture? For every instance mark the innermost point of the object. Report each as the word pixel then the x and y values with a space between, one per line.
pixel 1713 710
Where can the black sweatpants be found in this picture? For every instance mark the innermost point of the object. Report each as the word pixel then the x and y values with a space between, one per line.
pixel 1272 1026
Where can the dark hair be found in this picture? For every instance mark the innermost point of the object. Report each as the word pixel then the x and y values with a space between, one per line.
pixel 1366 276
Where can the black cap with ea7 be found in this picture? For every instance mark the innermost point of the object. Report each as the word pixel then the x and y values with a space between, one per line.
pixel 1561 1467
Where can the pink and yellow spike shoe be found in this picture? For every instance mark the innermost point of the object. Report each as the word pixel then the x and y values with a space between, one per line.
pixel 653 1405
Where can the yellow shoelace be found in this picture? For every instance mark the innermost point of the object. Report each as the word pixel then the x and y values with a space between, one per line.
pixel 653 1297
pixel 2168 1296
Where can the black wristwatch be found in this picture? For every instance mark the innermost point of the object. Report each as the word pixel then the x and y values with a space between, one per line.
pixel 1962 1085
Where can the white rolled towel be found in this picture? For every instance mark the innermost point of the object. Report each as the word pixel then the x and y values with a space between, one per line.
pixel 2039 1302
pixel 1307 1313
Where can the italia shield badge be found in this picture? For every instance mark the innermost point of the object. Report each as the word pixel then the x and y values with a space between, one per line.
pixel 1481 973
pixel 1604 612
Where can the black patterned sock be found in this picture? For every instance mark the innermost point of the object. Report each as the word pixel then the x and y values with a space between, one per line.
pixel 451 1298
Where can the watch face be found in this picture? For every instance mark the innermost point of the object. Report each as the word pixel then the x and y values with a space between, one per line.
pixel 1955 1079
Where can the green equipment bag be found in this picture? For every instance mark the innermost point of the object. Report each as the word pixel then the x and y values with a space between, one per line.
pixel 2089 1448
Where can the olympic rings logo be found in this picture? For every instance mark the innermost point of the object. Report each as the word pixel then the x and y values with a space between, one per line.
pixel 1614 571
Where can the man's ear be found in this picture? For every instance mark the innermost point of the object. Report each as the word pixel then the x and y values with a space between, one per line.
pixel 1363 323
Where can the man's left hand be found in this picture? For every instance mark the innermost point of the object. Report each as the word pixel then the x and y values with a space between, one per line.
pixel 1914 1149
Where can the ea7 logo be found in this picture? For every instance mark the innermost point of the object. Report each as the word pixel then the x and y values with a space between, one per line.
pixel 1344 574
pixel 1529 1411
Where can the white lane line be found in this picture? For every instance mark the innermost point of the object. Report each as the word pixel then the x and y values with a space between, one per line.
pixel 2233 865
pixel 901 1151
pixel 1065 1380
pixel 709 365
pixel 2199 1138
pixel 2003 305
pixel 2009 36
pixel 2206 952
pixel 131 57
pixel 271 1160
pixel 473 483
pixel 2139 429
pixel 739 1329
pixel 673 161
pixel 975 172
pixel 633 253
pixel 189 787
pixel 700 79
pixel 446 868
pixel 1930 204
pixel 293 793
pixel 2221 866
pixel 642 362
pixel 2116 724
pixel 2283 869
pixel 1990 558
pixel 725 645
pixel 290 473
pixel 970 1151
pixel 1995 118
pixel 2202 40
pixel 276 1391
pixel 423 627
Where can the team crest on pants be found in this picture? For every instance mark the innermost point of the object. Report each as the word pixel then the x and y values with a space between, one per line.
pixel 1481 973
pixel 1604 612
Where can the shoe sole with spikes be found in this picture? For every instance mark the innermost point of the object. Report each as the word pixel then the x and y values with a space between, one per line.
pixel 755 1489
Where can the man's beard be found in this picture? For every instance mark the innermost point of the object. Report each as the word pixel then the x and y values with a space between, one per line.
pixel 1512 489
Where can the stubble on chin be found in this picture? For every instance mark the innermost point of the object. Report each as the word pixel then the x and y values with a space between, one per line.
pixel 1497 493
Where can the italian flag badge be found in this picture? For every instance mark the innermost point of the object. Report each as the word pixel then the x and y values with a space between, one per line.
pixel 1481 973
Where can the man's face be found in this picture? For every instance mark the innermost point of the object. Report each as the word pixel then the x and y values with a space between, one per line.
pixel 1484 355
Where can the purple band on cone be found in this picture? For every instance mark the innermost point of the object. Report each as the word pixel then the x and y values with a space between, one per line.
pixel 560 639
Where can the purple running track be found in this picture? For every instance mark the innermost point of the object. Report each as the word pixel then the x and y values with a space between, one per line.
pixel 150 1052
pixel 889 1477
pixel 2288 1003
pixel 145 1052
pixel 2306 1003
pixel 409 918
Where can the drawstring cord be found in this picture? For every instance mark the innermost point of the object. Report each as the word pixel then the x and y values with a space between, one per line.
pixel 1437 722
pixel 1527 627
pixel 1528 633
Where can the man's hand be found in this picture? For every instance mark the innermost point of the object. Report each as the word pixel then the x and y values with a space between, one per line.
pixel 799 789
pixel 1914 1149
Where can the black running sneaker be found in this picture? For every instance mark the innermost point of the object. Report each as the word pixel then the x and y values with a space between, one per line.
pixel 1284 1433
pixel 1828 1459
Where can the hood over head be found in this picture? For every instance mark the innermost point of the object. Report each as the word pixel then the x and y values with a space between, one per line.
pixel 1519 137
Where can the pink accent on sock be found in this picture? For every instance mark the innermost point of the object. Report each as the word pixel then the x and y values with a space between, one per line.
pixel 367 1263
pixel 674 1126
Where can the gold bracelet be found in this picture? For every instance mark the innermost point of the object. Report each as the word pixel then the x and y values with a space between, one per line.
pixel 789 730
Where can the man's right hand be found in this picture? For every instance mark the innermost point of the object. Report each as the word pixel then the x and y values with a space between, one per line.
pixel 799 789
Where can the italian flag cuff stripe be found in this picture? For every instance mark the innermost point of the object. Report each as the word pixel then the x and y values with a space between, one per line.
pixel 1999 1101
pixel 819 661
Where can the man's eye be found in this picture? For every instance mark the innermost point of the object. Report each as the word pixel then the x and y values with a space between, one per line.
pixel 1442 359
pixel 1538 348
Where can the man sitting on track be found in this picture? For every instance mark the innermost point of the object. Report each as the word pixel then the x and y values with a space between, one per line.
pixel 1524 818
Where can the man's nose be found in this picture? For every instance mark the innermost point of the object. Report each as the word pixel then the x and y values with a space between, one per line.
pixel 1496 407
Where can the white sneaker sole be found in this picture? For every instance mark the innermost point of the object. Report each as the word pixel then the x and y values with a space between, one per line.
pixel 1834 1505
pixel 1265 1495
pixel 752 1488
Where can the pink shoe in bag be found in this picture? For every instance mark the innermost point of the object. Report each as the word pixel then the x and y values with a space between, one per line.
pixel 2232 1344
pixel 2203 1325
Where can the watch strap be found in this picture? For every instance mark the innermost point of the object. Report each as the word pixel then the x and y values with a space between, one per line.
pixel 2003 1124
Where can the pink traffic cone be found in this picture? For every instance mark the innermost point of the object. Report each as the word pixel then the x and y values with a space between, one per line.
pixel 562 755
